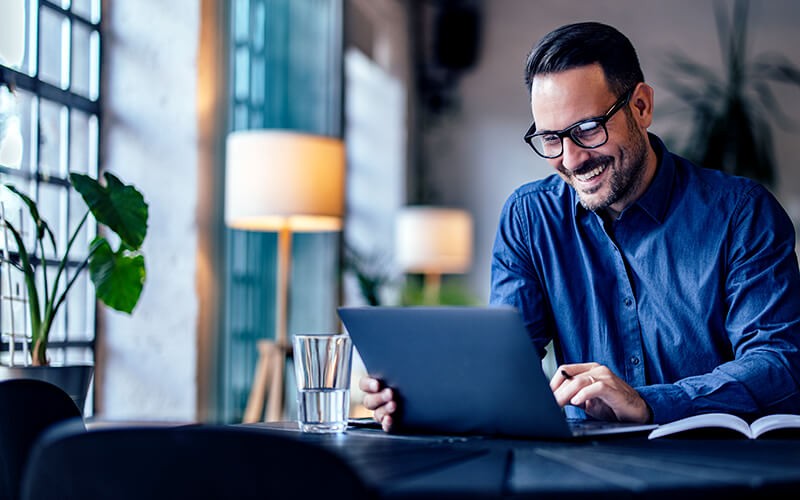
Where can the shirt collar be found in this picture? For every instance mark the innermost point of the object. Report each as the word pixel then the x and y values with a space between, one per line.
pixel 655 200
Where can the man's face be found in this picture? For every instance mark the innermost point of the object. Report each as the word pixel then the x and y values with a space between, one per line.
pixel 611 176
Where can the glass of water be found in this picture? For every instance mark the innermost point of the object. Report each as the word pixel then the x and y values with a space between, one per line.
pixel 322 367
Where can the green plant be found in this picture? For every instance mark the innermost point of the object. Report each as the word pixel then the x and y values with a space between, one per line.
pixel 453 292
pixel 370 272
pixel 732 114
pixel 118 275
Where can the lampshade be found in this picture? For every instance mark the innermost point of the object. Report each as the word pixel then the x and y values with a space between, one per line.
pixel 433 240
pixel 276 179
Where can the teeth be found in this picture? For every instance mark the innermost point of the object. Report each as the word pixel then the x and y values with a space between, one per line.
pixel 591 174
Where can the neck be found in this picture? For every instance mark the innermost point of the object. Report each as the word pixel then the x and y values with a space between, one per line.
pixel 638 189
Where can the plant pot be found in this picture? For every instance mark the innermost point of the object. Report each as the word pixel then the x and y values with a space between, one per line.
pixel 74 380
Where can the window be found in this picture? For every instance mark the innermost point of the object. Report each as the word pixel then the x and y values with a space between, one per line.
pixel 50 126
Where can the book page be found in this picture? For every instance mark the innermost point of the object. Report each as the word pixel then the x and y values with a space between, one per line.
pixel 708 420
pixel 774 422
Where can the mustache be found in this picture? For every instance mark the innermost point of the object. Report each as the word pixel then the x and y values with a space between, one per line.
pixel 587 166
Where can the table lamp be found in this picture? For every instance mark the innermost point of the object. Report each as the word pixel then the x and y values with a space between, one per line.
pixel 282 181
pixel 433 241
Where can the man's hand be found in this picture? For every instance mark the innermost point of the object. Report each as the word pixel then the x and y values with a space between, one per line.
pixel 600 393
pixel 381 402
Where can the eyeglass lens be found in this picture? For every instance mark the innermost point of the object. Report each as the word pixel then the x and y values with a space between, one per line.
pixel 588 134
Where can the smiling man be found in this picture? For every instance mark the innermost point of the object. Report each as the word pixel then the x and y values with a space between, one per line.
pixel 667 289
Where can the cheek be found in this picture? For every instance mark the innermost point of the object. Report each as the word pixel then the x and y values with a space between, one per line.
pixel 556 163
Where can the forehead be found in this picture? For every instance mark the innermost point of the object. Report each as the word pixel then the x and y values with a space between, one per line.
pixel 560 99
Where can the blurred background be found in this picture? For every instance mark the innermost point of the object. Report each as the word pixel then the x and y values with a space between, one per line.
pixel 429 101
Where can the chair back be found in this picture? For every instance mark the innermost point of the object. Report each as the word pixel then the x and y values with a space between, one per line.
pixel 27 408
pixel 196 461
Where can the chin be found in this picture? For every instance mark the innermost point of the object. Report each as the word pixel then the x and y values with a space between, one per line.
pixel 593 201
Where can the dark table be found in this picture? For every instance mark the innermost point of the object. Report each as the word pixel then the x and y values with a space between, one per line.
pixel 620 467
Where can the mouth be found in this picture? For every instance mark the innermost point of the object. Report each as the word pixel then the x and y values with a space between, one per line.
pixel 591 174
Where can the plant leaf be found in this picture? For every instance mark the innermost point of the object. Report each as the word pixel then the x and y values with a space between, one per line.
pixel 770 103
pixel 775 67
pixel 690 69
pixel 118 276
pixel 120 207
pixel 42 227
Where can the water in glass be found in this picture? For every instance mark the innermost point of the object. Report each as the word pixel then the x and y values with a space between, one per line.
pixel 323 410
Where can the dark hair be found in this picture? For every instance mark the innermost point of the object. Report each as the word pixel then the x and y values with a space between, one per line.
pixel 581 44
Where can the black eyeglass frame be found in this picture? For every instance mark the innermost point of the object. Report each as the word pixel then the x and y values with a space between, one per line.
pixel 567 132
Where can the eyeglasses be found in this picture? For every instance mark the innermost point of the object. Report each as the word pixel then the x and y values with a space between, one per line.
pixel 589 133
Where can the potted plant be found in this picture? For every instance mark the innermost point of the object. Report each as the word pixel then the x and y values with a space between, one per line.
pixel 732 113
pixel 118 274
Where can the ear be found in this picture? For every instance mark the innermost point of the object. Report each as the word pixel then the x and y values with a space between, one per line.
pixel 642 101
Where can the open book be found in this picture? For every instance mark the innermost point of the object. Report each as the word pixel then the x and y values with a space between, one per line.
pixel 718 421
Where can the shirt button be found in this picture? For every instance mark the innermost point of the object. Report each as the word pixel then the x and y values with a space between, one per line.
pixel 634 360
pixel 628 301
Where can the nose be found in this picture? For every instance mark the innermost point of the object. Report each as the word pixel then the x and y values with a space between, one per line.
pixel 573 155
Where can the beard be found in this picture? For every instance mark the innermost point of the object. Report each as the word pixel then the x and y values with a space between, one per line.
pixel 626 174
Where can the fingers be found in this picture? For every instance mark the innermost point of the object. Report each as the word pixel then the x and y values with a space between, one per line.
pixel 383 413
pixel 568 372
pixel 378 399
pixel 569 379
pixel 605 396
pixel 369 384
pixel 568 391
pixel 386 423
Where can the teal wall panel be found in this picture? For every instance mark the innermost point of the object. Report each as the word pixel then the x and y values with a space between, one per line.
pixel 286 72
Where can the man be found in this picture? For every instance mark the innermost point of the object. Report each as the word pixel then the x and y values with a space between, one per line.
pixel 668 290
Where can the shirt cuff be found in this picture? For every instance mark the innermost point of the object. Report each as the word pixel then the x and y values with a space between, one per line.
pixel 668 402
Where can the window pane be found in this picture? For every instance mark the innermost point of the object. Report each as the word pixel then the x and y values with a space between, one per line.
pixel 87 9
pixel 19 135
pixel 13 33
pixel 11 140
pixel 58 330
pixel 81 82
pixel 242 70
pixel 79 356
pixel 16 212
pixel 77 307
pixel 77 209
pixel 13 314
pixel 53 50
pixel 241 15
pixel 52 143
pixel 79 143
pixel 52 203
pixel 240 117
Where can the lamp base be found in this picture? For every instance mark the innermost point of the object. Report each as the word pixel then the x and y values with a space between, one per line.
pixel 268 383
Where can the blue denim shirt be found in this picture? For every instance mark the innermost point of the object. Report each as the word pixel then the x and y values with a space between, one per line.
pixel 692 295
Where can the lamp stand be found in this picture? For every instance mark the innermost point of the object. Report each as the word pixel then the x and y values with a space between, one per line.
pixel 272 354
pixel 431 288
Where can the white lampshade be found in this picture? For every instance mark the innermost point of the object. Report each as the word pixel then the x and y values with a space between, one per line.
pixel 433 240
pixel 277 179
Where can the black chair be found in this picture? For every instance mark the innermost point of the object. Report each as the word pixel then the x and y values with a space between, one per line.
pixel 27 408
pixel 197 461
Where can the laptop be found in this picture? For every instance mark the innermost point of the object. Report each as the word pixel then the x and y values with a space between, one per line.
pixel 464 370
